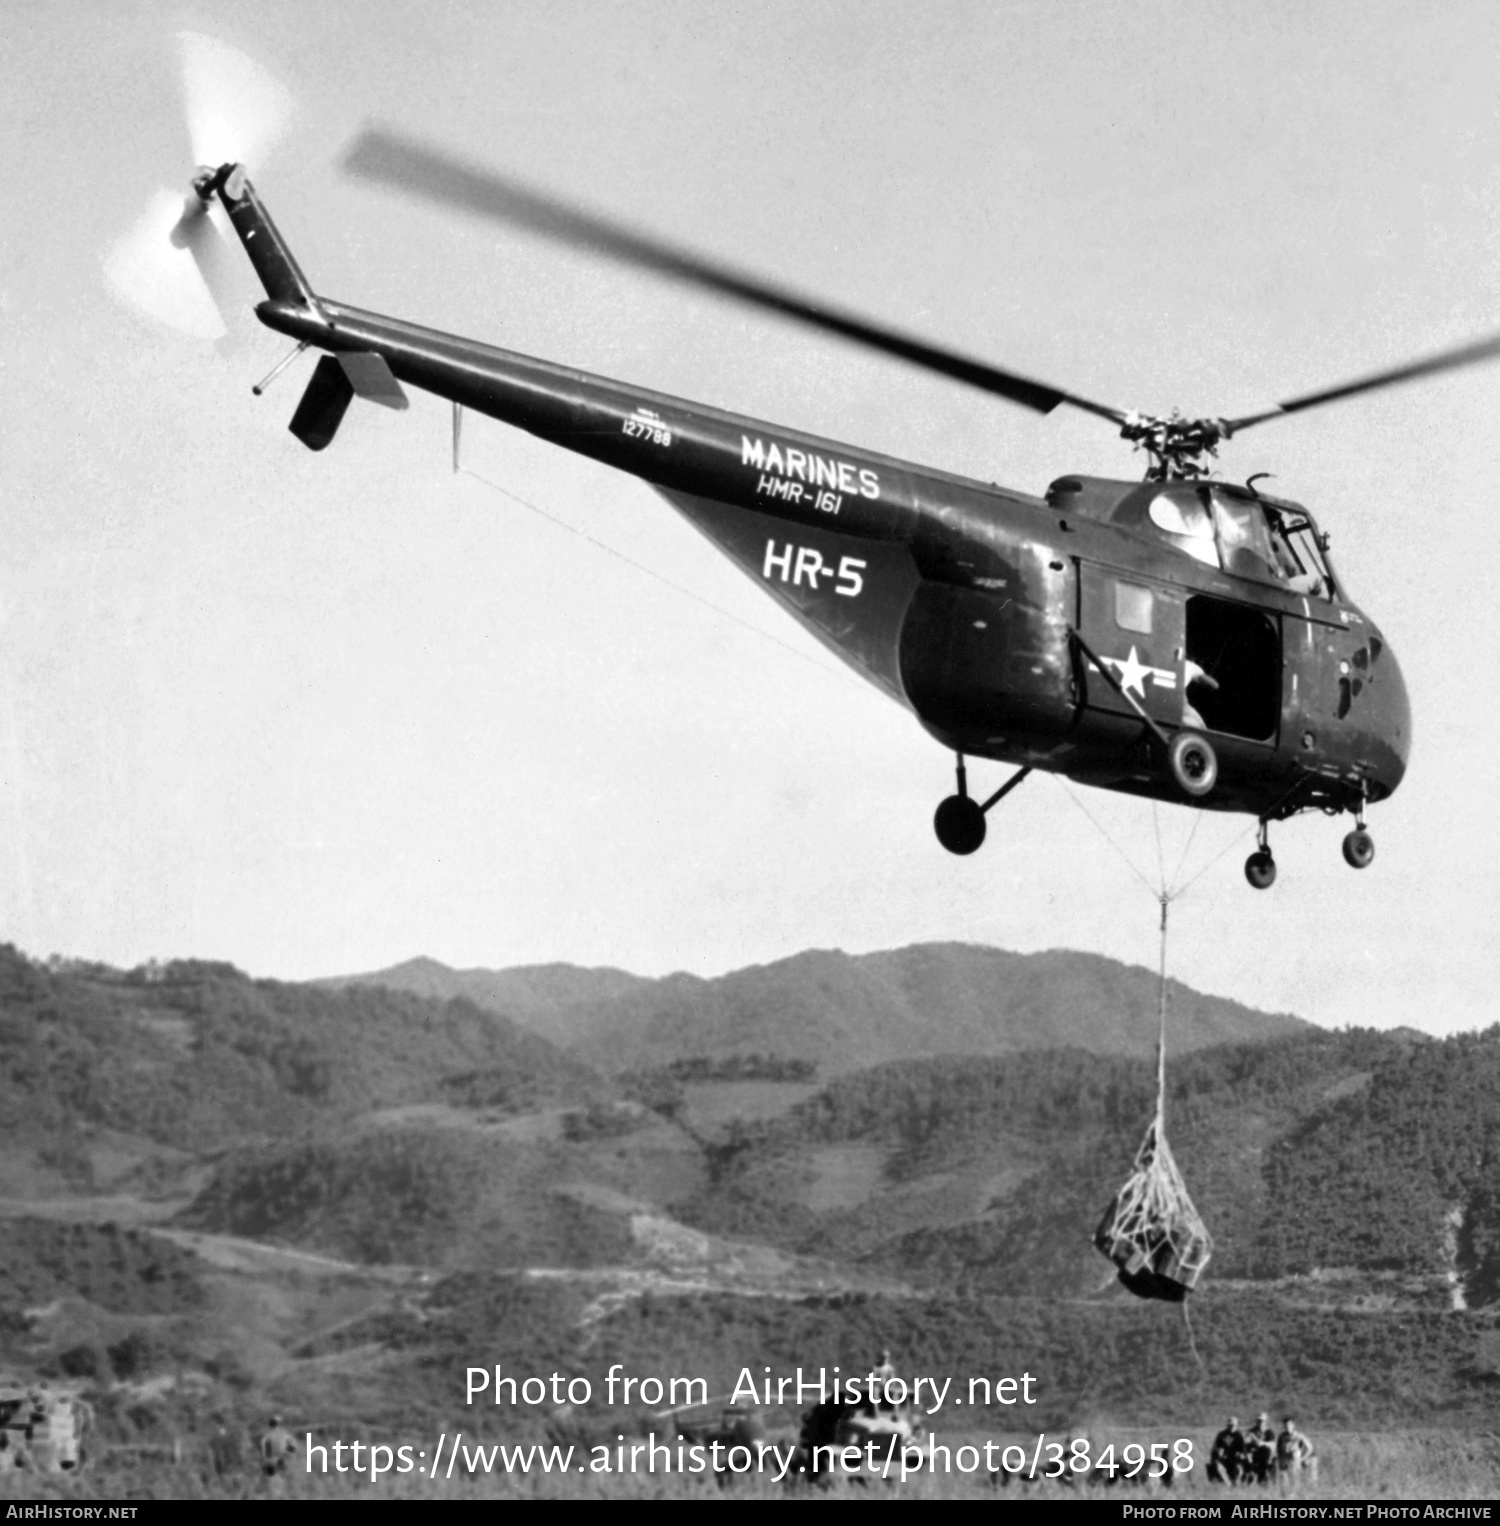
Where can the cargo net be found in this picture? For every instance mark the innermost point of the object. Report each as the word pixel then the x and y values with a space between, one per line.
pixel 1151 1231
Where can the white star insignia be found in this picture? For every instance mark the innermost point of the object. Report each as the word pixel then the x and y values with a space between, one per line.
pixel 1133 672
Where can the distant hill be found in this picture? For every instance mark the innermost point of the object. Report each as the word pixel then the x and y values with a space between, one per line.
pixel 845 1012
pixel 550 999
pixel 196 1056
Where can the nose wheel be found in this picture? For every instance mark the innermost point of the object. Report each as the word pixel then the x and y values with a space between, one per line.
pixel 1359 849
pixel 1260 867
pixel 959 820
pixel 1359 846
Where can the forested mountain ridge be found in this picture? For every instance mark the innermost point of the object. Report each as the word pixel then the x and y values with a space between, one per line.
pixel 195 1055
pixel 985 1171
pixel 845 1012
pixel 547 998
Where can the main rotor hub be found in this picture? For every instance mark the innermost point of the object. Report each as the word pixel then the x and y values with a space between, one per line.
pixel 1178 447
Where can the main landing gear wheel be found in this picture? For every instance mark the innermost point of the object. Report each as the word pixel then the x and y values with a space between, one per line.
pixel 959 824
pixel 1359 849
pixel 959 821
pixel 1193 763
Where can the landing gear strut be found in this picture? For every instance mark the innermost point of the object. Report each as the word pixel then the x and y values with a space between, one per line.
pixel 959 822
pixel 1260 867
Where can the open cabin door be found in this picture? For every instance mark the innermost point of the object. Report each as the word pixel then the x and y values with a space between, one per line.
pixel 1237 647
pixel 1136 627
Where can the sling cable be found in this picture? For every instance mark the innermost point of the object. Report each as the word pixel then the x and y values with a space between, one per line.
pixel 1151 1231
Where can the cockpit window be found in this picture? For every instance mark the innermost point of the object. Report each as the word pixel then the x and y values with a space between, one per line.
pixel 1244 537
pixel 1181 512
pixel 1299 554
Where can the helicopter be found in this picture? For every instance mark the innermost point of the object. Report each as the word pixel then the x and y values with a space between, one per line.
pixel 1176 637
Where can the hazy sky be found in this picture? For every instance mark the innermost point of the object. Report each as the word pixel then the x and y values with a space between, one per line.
pixel 317 714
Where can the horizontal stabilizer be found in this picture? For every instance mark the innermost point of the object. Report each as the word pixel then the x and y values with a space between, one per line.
pixel 372 380
pixel 336 381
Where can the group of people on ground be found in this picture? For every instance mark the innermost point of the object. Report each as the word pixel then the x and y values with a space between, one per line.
pixel 226 1449
pixel 1261 1453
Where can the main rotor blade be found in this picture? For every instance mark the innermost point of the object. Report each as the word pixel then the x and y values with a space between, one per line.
pixel 407 166
pixel 1446 360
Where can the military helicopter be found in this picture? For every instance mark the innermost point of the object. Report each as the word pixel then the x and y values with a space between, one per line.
pixel 1177 637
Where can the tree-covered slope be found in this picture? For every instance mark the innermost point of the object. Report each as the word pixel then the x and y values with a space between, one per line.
pixel 197 1055
pixel 1355 1150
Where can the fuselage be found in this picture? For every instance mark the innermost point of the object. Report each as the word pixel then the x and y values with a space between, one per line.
pixel 981 609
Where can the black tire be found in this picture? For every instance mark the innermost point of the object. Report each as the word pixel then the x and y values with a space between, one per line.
pixel 959 824
pixel 1194 765
pixel 1260 870
pixel 1359 849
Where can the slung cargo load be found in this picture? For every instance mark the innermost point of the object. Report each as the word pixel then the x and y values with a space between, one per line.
pixel 1151 1231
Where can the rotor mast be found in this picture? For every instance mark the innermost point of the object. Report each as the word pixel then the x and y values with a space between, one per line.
pixel 1179 449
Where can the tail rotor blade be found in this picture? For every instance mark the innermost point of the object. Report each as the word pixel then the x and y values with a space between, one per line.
pixel 153 268
pixel 198 232
pixel 235 110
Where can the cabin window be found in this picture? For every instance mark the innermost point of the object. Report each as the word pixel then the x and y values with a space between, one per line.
pixel 1182 513
pixel 1133 608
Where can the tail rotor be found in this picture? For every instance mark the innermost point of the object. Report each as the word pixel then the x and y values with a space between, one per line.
pixel 173 265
